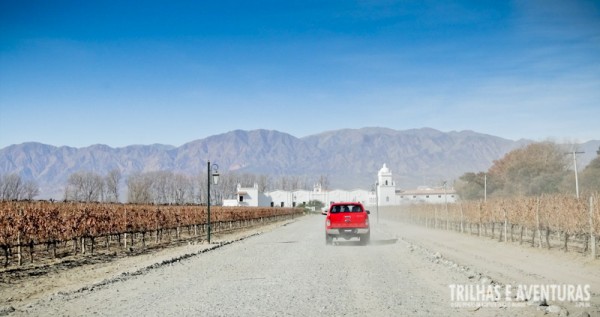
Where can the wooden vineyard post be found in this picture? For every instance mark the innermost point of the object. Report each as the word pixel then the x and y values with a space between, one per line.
pixel 479 224
pixel 19 259
pixel 505 225
pixel 462 228
pixel 125 233
pixel 537 218
pixel 592 236
pixel 19 256
pixel 447 218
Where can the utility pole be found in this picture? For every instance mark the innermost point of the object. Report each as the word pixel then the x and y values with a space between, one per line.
pixel 446 204
pixel 575 168
pixel 377 199
pixel 485 187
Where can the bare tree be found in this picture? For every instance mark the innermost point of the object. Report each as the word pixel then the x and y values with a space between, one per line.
pixel 283 183
pixel 294 182
pixel 324 181
pixel 184 189
pixel 85 186
pixel 93 187
pixel 264 183
pixel 160 187
pixel 72 190
pixel 10 186
pixel 228 187
pixel 202 190
pixel 112 181
pixel 30 190
pixel 138 188
pixel 305 183
pixel 171 188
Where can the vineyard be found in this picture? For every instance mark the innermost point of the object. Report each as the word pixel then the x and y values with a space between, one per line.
pixel 33 230
pixel 547 221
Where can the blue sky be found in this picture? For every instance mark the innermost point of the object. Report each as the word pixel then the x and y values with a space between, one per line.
pixel 79 73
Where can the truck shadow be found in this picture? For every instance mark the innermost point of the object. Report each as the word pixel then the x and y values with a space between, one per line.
pixel 350 243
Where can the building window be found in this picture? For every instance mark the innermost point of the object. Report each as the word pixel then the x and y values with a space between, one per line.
pixel 282 204
pixel 427 196
pixel 439 196
pixel 414 197
pixel 241 198
pixel 386 182
pixel 387 199
pixel 272 204
pixel 294 204
pixel 452 196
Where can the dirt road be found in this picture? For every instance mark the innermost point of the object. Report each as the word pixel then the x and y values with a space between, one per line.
pixel 289 270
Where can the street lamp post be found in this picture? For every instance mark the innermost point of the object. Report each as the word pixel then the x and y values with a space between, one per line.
pixel 377 200
pixel 214 173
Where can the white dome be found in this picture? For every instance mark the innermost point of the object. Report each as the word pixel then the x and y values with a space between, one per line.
pixel 384 170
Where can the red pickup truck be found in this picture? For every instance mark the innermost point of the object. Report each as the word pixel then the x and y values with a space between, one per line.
pixel 347 220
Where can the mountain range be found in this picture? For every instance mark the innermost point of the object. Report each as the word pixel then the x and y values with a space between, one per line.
pixel 350 158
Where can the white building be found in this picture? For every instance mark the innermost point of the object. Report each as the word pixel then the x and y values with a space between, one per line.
pixel 249 196
pixel 427 195
pixel 385 194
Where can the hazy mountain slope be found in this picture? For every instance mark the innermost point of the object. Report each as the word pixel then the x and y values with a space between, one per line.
pixel 258 151
pixel 51 166
pixel 350 157
pixel 418 156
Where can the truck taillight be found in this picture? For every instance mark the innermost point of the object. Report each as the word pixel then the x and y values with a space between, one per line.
pixel 328 222
pixel 367 221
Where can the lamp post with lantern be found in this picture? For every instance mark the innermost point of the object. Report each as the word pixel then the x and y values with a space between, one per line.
pixel 213 172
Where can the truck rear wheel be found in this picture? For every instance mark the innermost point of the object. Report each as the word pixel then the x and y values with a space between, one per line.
pixel 365 238
pixel 328 239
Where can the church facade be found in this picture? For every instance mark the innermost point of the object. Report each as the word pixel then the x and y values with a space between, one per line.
pixel 385 194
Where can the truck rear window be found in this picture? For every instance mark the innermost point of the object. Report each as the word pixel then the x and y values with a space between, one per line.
pixel 345 208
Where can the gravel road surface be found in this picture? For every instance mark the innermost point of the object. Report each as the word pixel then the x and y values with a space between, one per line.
pixel 288 271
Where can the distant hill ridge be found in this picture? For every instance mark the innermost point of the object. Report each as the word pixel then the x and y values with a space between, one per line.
pixel 349 157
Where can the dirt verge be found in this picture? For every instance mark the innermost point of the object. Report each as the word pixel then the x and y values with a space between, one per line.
pixel 22 287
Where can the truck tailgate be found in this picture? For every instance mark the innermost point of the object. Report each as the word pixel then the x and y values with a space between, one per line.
pixel 348 220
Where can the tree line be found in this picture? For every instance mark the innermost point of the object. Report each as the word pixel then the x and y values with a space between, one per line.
pixel 13 187
pixel 88 186
pixel 156 187
pixel 171 188
pixel 536 169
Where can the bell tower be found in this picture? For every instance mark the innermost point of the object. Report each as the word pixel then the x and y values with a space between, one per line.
pixel 386 188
